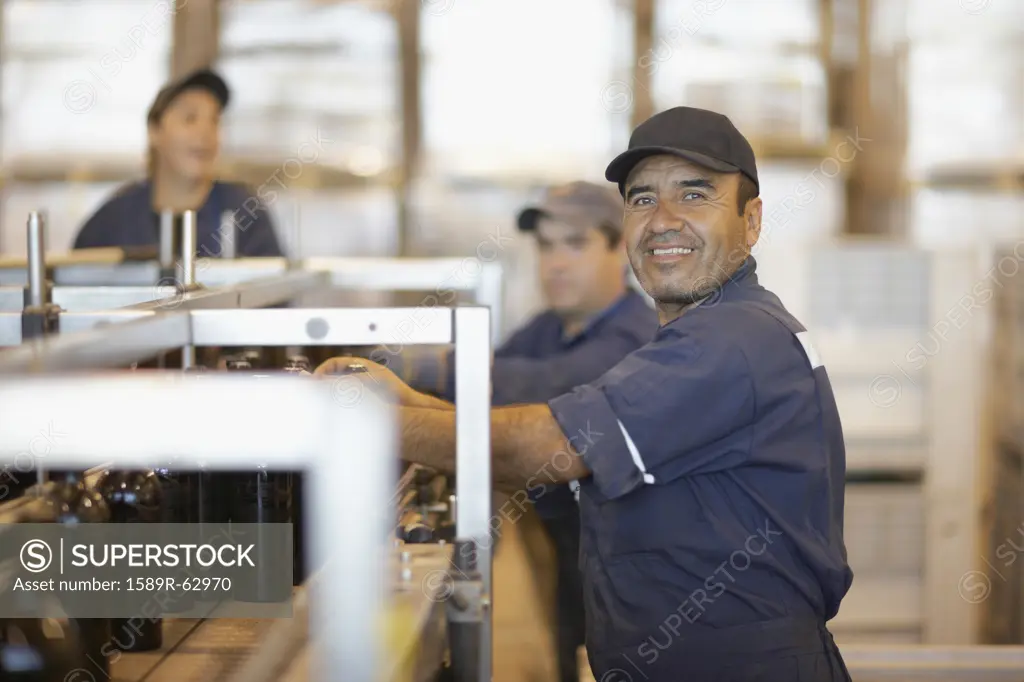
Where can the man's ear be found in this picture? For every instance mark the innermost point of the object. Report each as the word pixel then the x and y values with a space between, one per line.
pixel 152 131
pixel 752 221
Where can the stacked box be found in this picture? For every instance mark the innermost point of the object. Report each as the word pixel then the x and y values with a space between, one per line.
pixel 759 64
pixel 313 82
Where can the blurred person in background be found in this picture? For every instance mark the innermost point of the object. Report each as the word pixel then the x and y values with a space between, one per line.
pixel 184 144
pixel 592 321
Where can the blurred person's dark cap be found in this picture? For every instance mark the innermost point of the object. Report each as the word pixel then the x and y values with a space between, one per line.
pixel 582 204
pixel 704 137
pixel 203 79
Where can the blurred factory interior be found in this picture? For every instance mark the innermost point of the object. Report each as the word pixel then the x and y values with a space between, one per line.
pixel 890 143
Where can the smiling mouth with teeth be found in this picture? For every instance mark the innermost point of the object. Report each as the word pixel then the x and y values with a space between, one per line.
pixel 674 251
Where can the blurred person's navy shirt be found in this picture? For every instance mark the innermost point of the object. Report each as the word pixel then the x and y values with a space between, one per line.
pixel 128 220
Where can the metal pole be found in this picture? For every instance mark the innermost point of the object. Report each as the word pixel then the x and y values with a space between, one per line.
pixel 188 274
pixel 167 240
pixel 473 459
pixel 227 234
pixel 188 249
pixel 36 259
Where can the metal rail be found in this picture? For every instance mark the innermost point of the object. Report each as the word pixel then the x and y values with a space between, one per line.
pixel 109 346
pixel 84 299
pixel 252 294
pixel 254 283
pixel 88 410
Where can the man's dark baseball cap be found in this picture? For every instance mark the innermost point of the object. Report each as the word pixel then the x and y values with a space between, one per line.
pixel 583 204
pixel 698 135
pixel 203 79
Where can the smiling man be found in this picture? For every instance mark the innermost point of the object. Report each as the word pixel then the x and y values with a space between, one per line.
pixel 711 505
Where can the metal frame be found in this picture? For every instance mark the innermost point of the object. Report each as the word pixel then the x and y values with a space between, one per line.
pixel 135 407
pixel 97 344
pixel 258 282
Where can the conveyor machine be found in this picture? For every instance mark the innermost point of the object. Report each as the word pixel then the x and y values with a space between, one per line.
pixel 117 315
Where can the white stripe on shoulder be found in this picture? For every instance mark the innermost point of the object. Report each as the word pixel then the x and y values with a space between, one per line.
pixel 812 353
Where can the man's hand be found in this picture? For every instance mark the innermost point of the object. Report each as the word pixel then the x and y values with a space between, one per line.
pixel 375 375
pixel 425 367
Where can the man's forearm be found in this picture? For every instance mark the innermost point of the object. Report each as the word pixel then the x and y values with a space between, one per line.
pixel 526 445
pixel 429 402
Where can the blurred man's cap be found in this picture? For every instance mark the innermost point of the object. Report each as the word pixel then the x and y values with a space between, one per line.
pixel 582 204
pixel 203 79
pixel 704 137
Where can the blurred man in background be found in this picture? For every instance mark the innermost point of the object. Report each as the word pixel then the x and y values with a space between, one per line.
pixel 593 320
pixel 184 145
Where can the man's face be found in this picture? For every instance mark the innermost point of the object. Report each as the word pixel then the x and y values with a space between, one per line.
pixel 187 138
pixel 685 235
pixel 580 271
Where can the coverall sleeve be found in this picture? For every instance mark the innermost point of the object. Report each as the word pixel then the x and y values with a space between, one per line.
pixel 662 413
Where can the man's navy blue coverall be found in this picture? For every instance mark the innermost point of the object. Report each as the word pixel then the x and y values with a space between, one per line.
pixel 712 524
pixel 127 219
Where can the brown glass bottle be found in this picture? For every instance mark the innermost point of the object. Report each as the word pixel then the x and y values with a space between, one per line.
pixel 253 356
pixel 68 500
pixel 134 497
pixel 296 365
pixel 260 496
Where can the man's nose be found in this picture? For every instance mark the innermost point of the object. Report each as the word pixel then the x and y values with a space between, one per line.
pixel 558 263
pixel 665 220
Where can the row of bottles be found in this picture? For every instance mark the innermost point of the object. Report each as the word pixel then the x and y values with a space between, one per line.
pixel 257 495
pixel 46 650
pixel 50 650
pixel 264 496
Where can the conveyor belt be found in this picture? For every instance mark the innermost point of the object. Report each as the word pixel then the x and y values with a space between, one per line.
pixel 213 650
pixel 265 650
pixel 135 667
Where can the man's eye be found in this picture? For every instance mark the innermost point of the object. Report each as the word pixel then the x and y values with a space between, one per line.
pixel 693 195
pixel 643 201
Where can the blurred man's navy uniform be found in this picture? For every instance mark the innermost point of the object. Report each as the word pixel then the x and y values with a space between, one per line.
pixel 545 359
pixel 127 219
pixel 712 524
